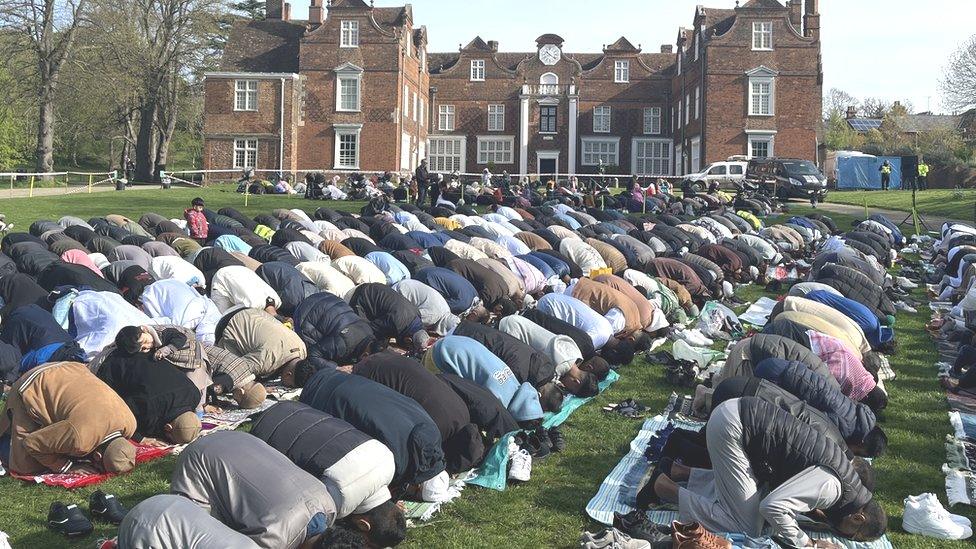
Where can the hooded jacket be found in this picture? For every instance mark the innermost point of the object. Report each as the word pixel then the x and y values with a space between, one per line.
pixel 528 364
pixel 331 329
pixel 355 468
pixel 60 411
pixel 391 418
pixel 857 286
pixel 471 360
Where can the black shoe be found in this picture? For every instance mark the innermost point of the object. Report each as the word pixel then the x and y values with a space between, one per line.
pixel 537 444
pixel 557 440
pixel 106 508
pixel 636 525
pixel 68 520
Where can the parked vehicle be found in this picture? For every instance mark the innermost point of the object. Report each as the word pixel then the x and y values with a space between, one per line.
pixel 787 177
pixel 727 174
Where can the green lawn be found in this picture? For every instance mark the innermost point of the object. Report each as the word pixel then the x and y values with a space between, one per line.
pixel 949 203
pixel 548 510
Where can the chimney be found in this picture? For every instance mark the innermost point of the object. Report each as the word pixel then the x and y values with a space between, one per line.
pixel 286 11
pixel 667 48
pixel 811 21
pixel 272 9
pixel 851 112
pixel 493 45
pixel 315 14
pixel 796 14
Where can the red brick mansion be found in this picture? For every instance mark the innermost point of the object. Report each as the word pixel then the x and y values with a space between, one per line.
pixel 355 88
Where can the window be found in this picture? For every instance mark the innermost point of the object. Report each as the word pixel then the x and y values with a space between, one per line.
pixel 445 118
pixel 423 108
pixel 697 102
pixel 245 153
pixel 652 120
pixel 348 94
pixel 406 101
pixel 761 97
pixel 762 35
pixel 679 161
pixel 547 119
pixel 695 155
pixel 349 36
pixel 416 100
pixel 496 118
pixel 697 45
pixel 446 154
pixel 601 120
pixel 496 150
pixel 760 145
pixel 679 114
pixel 409 37
pixel 735 169
pixel 246 95
pixel 478 70
pixel 597 151
pixel 687 108
pixel 717 170
pixel 652 157
pixel 347 146
pixel 621 71
pixel 549 84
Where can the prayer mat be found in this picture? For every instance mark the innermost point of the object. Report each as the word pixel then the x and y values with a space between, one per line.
pixel 963 424
pixel 75 480
pixel 963 401
pixel 758 313
pixel 493 472
pixel 960 486
pixel 960 454
pixel 419 511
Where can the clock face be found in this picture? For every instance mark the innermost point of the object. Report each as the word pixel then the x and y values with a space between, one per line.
pixel 550 54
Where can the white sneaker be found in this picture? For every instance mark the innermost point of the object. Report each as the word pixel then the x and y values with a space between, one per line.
pixel 923 517
pixel 905 284
pixel 902 306
pixel 520 467
pixel 611 538
pixel 933 500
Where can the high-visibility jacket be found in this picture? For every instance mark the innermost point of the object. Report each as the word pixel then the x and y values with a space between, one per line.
pixel 886 169
pixel 923 170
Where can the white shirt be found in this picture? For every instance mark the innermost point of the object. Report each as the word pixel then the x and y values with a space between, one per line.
pixel 583 255
pixel 560 348
pixel 238 285
pixel 327 278
pixel 569 309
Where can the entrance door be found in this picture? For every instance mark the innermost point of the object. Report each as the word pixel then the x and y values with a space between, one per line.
pixel 547 166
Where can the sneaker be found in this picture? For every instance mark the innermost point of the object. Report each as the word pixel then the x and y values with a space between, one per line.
pixel 695 536
pixel 905 284
pixel 106 508
pixel 934 501
pixel 556 439
pixel 638 526
pixel 68 520
pixel 611 538
pixel 928 518
pixel 902 306
pixel 520 466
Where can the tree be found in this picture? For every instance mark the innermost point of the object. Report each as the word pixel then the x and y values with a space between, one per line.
pixel 47 29
pixel 836 102
pixel 959 84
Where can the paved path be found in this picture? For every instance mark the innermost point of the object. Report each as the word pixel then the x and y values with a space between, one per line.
pixel 934 222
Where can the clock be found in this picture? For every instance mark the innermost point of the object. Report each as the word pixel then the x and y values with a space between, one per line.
pixel 550 54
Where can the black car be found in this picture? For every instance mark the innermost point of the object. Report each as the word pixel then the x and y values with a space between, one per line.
pixel 787 177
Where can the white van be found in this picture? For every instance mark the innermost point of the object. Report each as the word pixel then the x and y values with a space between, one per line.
pixel 726 174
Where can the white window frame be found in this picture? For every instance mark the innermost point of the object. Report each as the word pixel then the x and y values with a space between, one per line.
pixel 602 119
pixel 652 120
pixel 437 158
pixel 697 45
pixel 762 36
pixel 349 34
pixel 697 102
pixel 406 101
pixel 644 164
pixel 496 118
pixel 757 136
pixel 592 158
pixel 679 114
pixel 695 155
pixel 477 70
pixel 687 108
pixel 771 106
pixel 423 110
pixel 416 105
pixel 621 71
pixel 342 130
pixel 489 151
pixel 409 48
pixel 679 160
pixel 446 118
pixel 246 95
pixel 247 148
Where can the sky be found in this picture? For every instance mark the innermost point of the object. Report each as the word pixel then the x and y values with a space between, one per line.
pixel 889 49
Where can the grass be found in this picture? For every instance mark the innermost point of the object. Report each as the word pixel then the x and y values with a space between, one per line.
pixel 548 511
pixel 957 204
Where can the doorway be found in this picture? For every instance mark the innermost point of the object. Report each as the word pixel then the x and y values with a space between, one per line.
pixel 548 163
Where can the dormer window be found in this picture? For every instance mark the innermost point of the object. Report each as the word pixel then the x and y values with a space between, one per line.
pixel 478 70
pixel 762 36
pixel 349 35
pixel 621 72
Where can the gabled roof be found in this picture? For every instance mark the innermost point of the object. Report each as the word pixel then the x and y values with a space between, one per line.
pixel 621 45
pixel 476 45
pixel 390 17
pixel 270 45
pixel 762 70
pixel 349 4
pixel 717 22
pixel 915 123
pixel 763 4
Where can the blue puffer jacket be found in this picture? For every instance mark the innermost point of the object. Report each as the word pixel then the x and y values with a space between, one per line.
pixel 853 419
pixel 384 414
pixel 331 329
pixel 456 289
pixel 471 360
pixel 292 286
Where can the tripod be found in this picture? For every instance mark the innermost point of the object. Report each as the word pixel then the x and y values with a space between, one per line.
pixel 916 217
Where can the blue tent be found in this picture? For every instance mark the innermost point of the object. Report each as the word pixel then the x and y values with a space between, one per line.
pixel 863 172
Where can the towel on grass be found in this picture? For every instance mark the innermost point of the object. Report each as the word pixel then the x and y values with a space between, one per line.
pixel 960 486
pixel 75 480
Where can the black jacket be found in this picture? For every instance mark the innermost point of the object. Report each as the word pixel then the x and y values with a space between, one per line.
pixel 389 314
pixel 156 391
pixel 331 329
pixel 485 410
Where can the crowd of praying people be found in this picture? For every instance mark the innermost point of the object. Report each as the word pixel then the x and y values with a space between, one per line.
pixel 420 335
